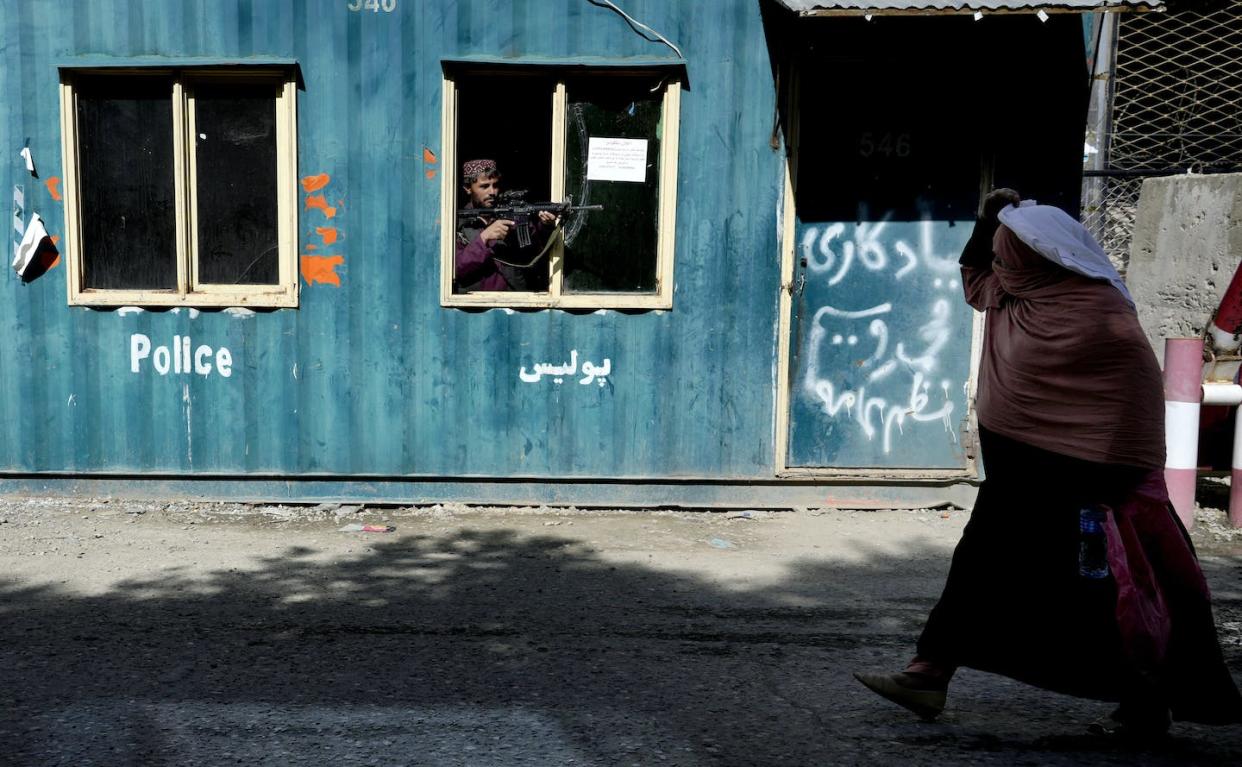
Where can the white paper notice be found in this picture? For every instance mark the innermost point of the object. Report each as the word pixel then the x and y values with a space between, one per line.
pixel 617 159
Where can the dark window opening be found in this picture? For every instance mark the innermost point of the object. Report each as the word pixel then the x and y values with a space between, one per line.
pixel 586 146
pixel 125 164
pixel 505 119
pixel 235 147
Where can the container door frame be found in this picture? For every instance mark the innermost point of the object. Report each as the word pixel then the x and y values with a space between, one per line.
pixel 787 217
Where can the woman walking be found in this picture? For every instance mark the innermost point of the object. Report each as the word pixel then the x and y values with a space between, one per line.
pixel 1073 574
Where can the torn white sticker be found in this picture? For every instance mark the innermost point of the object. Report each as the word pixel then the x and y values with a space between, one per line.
pixel 29 158
pixel 19 210
pixel 35 234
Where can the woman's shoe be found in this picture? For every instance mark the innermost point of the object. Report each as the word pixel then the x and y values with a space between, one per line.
pixel 920 695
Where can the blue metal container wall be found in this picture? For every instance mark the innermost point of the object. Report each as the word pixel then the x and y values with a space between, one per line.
pixel 374 377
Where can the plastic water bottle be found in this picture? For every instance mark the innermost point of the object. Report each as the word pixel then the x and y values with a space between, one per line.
pixel 1092 544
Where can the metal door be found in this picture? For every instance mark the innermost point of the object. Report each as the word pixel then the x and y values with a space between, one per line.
pixel 887 182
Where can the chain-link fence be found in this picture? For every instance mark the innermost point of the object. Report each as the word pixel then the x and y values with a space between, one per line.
pixel 1108 213
pixel 1176 106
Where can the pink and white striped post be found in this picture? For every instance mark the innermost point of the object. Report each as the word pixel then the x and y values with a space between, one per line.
pixel 1223 332
pixel 1230 395
pixel 1235 473
pixel 1183 391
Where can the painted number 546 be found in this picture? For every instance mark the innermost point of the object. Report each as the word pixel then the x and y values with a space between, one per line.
pixel 373 5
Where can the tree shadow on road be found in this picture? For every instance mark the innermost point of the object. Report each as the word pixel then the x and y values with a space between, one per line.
pixel 501 648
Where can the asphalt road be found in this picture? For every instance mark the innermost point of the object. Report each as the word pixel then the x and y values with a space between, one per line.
pixel 202 634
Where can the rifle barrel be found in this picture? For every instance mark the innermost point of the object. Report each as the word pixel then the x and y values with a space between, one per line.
pixel 503 210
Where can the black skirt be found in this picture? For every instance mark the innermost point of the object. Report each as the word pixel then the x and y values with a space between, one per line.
pixel 1015 604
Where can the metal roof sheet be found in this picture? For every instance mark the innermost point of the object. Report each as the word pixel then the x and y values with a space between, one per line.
pixel 829 7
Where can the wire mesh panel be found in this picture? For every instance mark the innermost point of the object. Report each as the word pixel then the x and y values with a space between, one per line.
pixel 1176 107
pixel 1108 213
pixel 1177 99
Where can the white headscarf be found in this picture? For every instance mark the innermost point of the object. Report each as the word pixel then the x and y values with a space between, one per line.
pixel 1058 237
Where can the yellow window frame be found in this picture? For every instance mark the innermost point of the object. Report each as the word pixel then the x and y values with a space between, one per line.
pixel 555 297
pixel 189 291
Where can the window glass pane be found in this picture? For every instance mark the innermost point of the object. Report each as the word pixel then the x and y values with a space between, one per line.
pixel 613 250
pixel 235 147
pixel 505 118
pixel 127 198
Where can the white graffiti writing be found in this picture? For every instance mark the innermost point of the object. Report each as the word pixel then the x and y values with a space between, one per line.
pixel 935 334
pixel 887 382
pixel 826 249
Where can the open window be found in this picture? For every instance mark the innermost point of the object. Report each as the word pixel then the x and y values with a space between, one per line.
pixel 595 151
pixel 179 187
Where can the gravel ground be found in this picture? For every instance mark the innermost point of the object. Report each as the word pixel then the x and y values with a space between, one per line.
pixel 137 633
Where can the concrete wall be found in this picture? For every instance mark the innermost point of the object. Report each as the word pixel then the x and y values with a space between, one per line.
pixel 1187 243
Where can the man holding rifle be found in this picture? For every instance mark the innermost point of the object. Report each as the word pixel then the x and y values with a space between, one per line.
pixel 486 260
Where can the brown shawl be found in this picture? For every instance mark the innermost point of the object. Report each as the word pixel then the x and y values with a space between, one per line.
pixel 1065 366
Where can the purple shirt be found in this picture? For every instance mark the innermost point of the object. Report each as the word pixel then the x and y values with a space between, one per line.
pixel 474 266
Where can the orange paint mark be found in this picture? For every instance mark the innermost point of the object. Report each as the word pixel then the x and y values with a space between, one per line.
pixel 52 183
pixel 312 247
pixel 321 269
pixel 328 233
pixel 429 156
pixel 431 173
pixel 318 202
pixel 55 238
pixel 315 183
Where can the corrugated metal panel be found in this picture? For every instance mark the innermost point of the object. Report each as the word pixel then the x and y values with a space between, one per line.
pixel 374 377
pixel 816 7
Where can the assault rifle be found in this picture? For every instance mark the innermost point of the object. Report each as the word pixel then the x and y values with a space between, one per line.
pixel 514 207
